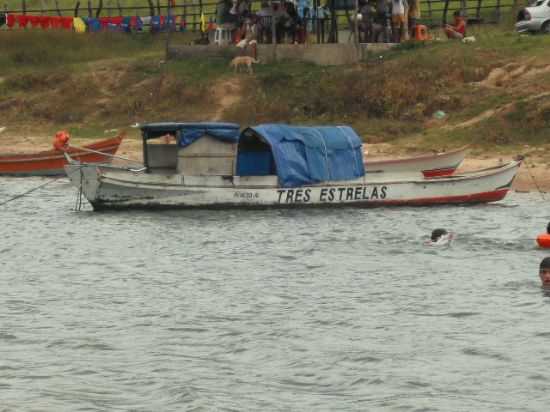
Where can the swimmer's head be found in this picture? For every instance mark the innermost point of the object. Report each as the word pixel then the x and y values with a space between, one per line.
pixel 544 272
pixel 437 233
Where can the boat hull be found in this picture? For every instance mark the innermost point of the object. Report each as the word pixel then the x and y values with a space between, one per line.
pixel 109 189
pixel 52 162
pixel 428 166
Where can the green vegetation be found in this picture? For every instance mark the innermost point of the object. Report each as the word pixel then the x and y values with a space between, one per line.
pixel 89 83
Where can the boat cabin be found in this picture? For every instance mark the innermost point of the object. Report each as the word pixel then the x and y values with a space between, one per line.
pixel 194 149
pixel 282 155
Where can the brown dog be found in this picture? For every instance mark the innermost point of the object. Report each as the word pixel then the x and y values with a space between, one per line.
pixel 243 61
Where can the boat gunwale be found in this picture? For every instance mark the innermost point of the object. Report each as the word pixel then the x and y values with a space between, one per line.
pixel 416 158
pixel 487 172
pixel 105 144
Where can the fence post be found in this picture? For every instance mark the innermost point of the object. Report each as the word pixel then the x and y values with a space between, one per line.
pixel 445 10
pixel 478 11
pixel 185 14
pixel 316 4
pixel 169 13
pixel 24 6
pixel 99 7
pixel 57 8
pixel 497 11
pixel 158 7
pixel 273 29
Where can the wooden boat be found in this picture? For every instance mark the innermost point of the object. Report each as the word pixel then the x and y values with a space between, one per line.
pixel 430 165
pixel 270 166
pixel 52 162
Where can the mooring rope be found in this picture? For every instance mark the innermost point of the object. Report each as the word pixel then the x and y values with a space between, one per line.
pixel 78 200
pixel 534 180
pixel 30 190
pixel 40 186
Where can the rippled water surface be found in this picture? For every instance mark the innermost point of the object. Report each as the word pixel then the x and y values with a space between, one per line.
pixel 341 309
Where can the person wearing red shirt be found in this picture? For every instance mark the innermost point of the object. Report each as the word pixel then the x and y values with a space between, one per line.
pixel 458 29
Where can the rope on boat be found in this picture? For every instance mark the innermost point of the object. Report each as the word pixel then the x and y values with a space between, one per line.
pixel 78 201
pixel 533 178
pixel 40 186
pixel 85 149
pixel 30 190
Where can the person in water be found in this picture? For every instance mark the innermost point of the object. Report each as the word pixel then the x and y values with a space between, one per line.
pixel 544 272
pixel 440 237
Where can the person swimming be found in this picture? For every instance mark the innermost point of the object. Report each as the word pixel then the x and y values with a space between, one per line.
pixel 544 272
pixel 440 237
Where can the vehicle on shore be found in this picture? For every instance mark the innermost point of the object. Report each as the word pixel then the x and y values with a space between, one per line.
pixel 534 18
pixel 52 162
pixel 213 165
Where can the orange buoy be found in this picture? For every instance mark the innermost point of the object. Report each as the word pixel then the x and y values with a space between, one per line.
pixel 421 32
pixel 61 140
pixel 544 240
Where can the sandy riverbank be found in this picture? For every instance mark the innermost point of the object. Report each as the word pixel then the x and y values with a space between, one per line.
pixel 534 175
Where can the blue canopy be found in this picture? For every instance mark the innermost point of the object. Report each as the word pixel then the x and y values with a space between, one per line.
pixel 187 133
pixel 302 155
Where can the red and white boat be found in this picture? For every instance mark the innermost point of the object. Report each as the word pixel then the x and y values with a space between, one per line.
pixel 52 162
pixel 430 165
pixel 213 165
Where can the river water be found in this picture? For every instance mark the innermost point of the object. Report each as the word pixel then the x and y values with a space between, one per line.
pixel 342 309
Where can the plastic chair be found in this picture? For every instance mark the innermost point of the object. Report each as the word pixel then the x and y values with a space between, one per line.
pixel 222 36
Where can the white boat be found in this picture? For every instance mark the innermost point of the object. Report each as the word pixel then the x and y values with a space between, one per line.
pixel 429 165
pixel 210 166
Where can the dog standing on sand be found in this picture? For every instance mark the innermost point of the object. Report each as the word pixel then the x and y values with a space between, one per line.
pixel 243 61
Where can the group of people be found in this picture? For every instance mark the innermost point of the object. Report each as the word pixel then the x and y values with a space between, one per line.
pixel 387 20
pixel 396 21
pixel 288 19
pixel 442 237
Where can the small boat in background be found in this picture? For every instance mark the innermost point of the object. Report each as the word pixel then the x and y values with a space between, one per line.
pixel 52 162
pixel 431 165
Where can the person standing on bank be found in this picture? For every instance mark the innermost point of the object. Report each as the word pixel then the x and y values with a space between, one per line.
pixel 399 8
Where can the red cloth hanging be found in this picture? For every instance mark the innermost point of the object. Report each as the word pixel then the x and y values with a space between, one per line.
pixel 67 23
pixel 45 22
pixel 35 21
pixel 10 20
pixel 117 20
pixel 22 20
pixel 55 22
pixel 104 21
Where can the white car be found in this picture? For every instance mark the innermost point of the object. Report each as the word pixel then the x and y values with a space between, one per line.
pixel 535 17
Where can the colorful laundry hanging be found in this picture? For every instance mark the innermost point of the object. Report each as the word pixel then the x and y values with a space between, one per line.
pixel 79 25
pixel 22 20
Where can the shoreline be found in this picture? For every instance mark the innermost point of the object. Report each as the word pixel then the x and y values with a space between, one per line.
pixel 533 175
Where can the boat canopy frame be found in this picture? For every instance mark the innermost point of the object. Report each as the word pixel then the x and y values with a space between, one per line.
pixel 186 133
